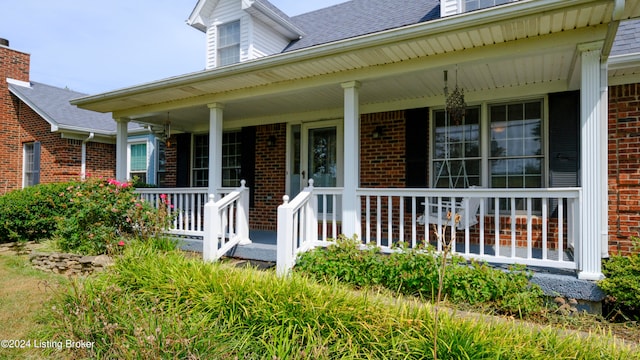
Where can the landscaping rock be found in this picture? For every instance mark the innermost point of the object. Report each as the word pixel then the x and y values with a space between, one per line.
pixel 69 264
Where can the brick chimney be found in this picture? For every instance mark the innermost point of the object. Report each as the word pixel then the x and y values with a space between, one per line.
pixel 13 64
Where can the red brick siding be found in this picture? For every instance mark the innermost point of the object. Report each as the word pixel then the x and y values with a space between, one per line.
pixel 624 167
pixel 270 176
pixel 61 159
pixel 382 159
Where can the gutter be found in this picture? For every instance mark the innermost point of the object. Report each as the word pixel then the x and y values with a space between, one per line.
pixel 518 9
pixel 83 151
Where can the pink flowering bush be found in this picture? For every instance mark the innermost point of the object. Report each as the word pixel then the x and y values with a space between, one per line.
pixel 107 215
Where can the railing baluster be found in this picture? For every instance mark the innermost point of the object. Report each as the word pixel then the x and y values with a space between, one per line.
pixel 545 203
pixel 368 219
pixel 401 220
pixel 496 224
pixel 513 227
pixel 560 230
pixel 378 221
pixel 414 228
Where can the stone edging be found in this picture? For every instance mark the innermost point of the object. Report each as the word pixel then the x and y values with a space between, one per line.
pixel 69 264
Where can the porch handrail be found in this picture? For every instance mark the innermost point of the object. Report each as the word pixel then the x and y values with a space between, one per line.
pixel 297 228
pixel 393 213
pixel 226 223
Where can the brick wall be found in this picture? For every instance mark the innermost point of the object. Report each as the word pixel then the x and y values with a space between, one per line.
pixel 624 166
pixel 382 159
pixel 61 159
pixel 15 65
pixel 270 178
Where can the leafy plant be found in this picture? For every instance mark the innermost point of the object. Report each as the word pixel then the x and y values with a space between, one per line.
pixel 31 214
pixel 622 283
pixel 417 272
pixel 107 215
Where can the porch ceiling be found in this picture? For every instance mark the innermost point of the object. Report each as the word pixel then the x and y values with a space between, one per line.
pixel 492 50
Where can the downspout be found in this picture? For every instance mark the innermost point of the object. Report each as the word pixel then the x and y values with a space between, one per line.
pixel 616 16
pixel 83 170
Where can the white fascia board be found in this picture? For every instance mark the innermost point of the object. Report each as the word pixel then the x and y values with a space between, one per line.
pixel 519 9
pixel 40 112
pixel 262 12
pixel 196 19
pixel 19 83
pixel 623 61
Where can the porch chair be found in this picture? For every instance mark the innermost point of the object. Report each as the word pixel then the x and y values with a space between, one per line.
pixel 473 205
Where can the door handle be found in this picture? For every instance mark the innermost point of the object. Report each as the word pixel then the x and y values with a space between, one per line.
pixel 303 174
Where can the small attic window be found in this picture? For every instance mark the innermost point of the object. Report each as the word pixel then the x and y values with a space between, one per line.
pixel 229 43
pixel 470 5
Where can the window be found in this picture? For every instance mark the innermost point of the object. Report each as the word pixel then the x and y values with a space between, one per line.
pixel 470 5
pixel 201 160
pixel 456 154
pixel 161 172
pixel 229 43
pixel 516 145
pixel 31 164
pixel 231 159
pixel 138 162
pixel 514 149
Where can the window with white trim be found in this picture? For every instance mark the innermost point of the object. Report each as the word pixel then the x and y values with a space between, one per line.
pixel 515 147
pixel 138 162
pixel 200 167
pixel 161 169
pixel 470 5
pixel 31 164
pixel 231 158
pixel 229 43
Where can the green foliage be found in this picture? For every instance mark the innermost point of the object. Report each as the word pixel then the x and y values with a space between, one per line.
pixel 162 305
pixel 622 282
pixel 107 215
pixel 31 214
pixel 415 272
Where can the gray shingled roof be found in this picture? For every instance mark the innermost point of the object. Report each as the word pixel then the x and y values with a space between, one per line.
pixel 360 17
pixel 628 38
pixel 52 103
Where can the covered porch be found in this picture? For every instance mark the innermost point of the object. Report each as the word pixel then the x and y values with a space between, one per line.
pixel 510 55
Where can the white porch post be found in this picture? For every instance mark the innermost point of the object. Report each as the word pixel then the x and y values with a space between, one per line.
pixel 121 149
pixel 592 162
pixel 350 204
pixel 215 148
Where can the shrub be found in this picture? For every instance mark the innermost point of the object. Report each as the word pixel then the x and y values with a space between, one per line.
pixel 105 215
pixel 415 272
pixel 31 214
pixel 622 283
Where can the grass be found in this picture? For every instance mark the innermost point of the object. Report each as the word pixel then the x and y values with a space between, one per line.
pixel 164 305
pixel 25 291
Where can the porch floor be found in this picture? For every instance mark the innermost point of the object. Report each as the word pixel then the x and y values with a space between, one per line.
pixel 262 247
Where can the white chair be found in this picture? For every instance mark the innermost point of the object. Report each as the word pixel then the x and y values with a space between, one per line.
pixel 468 206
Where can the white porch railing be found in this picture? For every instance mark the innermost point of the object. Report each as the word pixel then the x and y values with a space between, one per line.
pixel 227 223
pixel 188 207
pixel 525 226
pixel 297 228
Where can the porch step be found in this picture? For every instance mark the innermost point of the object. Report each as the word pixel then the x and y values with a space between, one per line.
pixel 254 251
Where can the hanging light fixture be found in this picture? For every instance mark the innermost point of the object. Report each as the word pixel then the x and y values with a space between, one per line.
pixel 455 104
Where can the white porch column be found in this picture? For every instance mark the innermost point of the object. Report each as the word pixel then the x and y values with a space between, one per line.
pixel 350 204
pixel 121 149
pixel 593 140
pixel 215 148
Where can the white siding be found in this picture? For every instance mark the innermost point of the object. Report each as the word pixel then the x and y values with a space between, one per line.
pixel 226 11
pixel 257 39
pixel 450 7
pixel 266 40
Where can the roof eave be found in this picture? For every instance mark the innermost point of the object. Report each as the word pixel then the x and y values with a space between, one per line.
pixel 452 23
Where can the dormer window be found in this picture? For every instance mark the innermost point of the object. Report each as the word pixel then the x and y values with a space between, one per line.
pixel 229 43
pixel 470 5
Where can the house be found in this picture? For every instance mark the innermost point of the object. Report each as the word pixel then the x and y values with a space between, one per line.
pixel 401 111
pixel 46 139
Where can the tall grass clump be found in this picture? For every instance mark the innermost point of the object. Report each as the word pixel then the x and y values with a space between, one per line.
pixel 159 304
pixel 622 285
pixel 417 272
